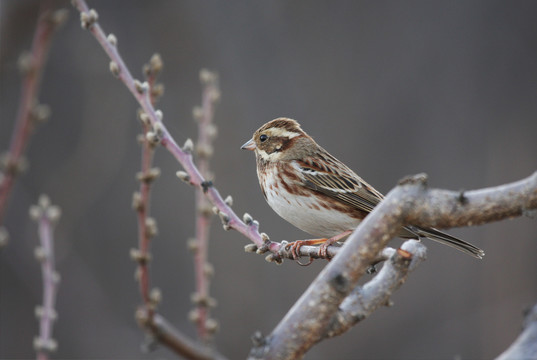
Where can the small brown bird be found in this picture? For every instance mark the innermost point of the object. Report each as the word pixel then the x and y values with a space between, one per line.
pixel 316 192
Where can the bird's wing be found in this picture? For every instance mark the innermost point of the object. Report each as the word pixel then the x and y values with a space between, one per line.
pixel 340 183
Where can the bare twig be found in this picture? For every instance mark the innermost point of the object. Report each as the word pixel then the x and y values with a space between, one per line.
pixel 206 133
pixel 364 300
pixel 166 334
pixel 46 216
pixel 525 346
pixel 409 203
pixel 147 227
pixel 30 111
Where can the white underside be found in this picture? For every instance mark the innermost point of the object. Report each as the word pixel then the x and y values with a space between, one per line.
pixel 299 211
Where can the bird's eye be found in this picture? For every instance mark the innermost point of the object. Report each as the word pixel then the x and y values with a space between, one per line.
pixel 263 138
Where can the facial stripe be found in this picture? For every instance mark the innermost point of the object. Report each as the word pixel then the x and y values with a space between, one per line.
pixel 283 133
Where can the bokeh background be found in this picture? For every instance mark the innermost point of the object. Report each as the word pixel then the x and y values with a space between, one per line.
pixel 391 88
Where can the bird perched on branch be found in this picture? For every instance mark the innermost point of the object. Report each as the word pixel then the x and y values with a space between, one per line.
pixel 319 194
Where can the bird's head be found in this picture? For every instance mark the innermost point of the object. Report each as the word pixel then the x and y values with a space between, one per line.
pixel 279 139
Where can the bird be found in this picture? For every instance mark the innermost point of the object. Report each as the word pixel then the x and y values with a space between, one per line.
pixel 311 189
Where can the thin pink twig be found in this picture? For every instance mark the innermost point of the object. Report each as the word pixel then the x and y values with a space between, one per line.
pixel 141 201
pixel 46 216
pixel 206 133
pixel 29 112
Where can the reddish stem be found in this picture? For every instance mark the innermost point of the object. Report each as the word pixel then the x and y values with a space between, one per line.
pixel 143 214
pixel 46 25
pixel 143 210
pixel 46 216
pixel 203 219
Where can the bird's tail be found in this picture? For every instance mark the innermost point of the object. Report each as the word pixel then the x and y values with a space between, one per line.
pixel 448 240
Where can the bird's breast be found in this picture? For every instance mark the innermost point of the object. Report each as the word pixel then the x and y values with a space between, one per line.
pixel 306 209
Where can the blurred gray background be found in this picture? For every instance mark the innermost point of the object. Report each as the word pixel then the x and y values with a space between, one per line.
pixel 391 88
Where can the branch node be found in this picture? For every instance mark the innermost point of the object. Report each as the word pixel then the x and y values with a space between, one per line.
pixel 151 229
pixel 40 113
pixel 274 258
pixel 160 116
pixel 192 244
pixel 41 312
pixel 229 201
pixel 414 179
pixel 266 243
pixel 225 219
pixel 141 87
pixel 207 76
pixel 203 300
pixel 183 175
pixel 46 345
pixel 144 118
pixel 251 248
pixel 208 270
pixel 205 210
pixel 211 325
pixel 40 254
pixel 152 138
pixel 149 176
pixel 114 68
pixel 258 339
pixel 339 283
pixel 157 90
pixel 149 344
pixel 35 212
pixel 58 17
pixel 112 39
pixel 88 19
pixel 247 218
pixel 25 63
pixel 461 198
pixel 137 201
pixel 204 151
pixel 205 185
pixel 155 297
pixel 188 146
pixel 154 67
pixel 53 213
pixel 140 257
pixel 197 113
pixel 13 166
pixel 211 131
pixel 193 315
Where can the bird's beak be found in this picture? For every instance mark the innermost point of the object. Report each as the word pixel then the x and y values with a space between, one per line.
pixel 250 145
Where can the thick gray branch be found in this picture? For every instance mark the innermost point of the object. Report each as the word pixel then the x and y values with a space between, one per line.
pixel 525 346
pixel 447 209
pixel 311 318
pixel 364 300
pixel 166 334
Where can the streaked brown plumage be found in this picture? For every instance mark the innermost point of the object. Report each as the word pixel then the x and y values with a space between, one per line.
pixel 317 193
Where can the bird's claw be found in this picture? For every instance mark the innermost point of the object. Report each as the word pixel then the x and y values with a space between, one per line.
pixel 294 247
